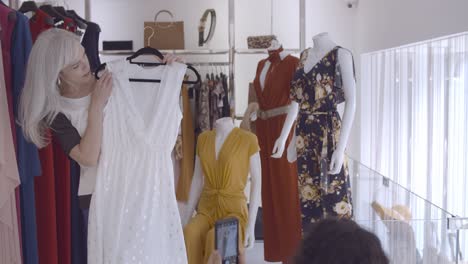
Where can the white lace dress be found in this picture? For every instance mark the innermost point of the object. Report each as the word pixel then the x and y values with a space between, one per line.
pixel 134 216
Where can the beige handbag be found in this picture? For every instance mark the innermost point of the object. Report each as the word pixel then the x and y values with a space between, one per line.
pixel 164 35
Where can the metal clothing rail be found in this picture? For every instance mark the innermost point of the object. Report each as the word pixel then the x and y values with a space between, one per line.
pixel 208 63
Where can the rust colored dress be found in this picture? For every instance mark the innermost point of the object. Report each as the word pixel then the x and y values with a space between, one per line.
pixel 280 199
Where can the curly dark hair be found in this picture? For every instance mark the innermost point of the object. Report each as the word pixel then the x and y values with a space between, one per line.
pixel 333 241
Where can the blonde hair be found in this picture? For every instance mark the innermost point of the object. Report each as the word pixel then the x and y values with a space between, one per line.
pixel 39 104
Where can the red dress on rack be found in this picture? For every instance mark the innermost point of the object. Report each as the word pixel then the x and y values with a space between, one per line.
pixel 46 216
pixel 38 24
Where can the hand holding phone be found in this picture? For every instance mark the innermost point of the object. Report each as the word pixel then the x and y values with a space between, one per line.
pixel 227 240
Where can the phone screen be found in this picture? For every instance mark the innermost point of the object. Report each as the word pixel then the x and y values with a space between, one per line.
pixel 227 237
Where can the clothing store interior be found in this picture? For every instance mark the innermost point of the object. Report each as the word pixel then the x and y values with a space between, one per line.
pixel 290 131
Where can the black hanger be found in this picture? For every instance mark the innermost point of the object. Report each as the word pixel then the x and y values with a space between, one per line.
pixel 157 53
pixel 50 10
pixel 65 13
pixel 76 17
pixel 146 51
pixel 28 6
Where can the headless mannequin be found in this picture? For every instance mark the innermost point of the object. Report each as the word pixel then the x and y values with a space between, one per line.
pixel 322 45
pixel 223 127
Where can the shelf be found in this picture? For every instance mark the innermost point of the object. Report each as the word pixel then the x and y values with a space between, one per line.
pixel 179 52
pixel 262 51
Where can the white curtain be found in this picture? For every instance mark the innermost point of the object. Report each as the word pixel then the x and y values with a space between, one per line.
pixel 414 112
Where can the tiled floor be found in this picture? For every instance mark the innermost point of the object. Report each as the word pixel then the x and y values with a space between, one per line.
pixel 255 256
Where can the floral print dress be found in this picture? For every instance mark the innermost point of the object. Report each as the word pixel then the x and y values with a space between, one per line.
pixel 318 126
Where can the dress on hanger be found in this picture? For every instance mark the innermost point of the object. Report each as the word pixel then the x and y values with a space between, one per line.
pixel 133 216
pixel 280 204
pixel 38 23
pixel 27 154
pixel 318 92
pixel 10 252
pixel 44 186
pixel 203 108
pixel 223 192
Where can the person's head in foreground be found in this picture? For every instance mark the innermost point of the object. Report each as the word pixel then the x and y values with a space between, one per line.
pixel 334 241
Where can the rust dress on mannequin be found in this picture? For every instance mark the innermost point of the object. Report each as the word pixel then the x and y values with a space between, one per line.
pixel 280 200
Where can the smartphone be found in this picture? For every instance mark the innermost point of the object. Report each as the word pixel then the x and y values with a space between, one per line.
pixel 227 240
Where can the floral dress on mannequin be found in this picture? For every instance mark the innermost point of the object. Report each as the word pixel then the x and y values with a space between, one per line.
pixel 318 92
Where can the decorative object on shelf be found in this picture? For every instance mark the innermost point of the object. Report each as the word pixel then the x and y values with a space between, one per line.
pixel 201 28
pixel 167 35
pixel 117 46
pixel 260 42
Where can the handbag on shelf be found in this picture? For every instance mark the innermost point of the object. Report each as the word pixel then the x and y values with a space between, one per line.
pixel 260 42
pixel 167 35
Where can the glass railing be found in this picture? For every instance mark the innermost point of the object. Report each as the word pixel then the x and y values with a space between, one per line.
pixel 411 229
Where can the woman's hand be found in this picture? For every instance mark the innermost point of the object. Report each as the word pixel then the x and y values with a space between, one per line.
pixel 102 90
pixel 170 58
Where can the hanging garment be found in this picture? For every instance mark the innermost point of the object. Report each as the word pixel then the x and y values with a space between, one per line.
pixel 7 23
pixel 203 109
pixel 63 201
pixel 46 215
pixel 318 126
pixel 280 202
pixel 188 149
pixel 79 219
pixel 10 252
pixel 67 127
pixel 226 107
pixel 63 187
pixel 38 24
pixel 90 42
pixel 223 193
pixel 68 24
pixel 27 153
pixel 133 215
pixel 44 186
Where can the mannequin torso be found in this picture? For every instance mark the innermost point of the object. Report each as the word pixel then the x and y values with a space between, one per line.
pixel 224 127
pixel 323 44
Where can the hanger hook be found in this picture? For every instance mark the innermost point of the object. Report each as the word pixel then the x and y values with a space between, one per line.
pixel 151 36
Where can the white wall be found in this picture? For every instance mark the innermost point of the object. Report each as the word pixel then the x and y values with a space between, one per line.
pixel 124 19
pixel 384 24
pixel 334 17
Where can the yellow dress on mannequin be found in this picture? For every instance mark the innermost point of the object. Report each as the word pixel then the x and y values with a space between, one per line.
pixel 223 192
